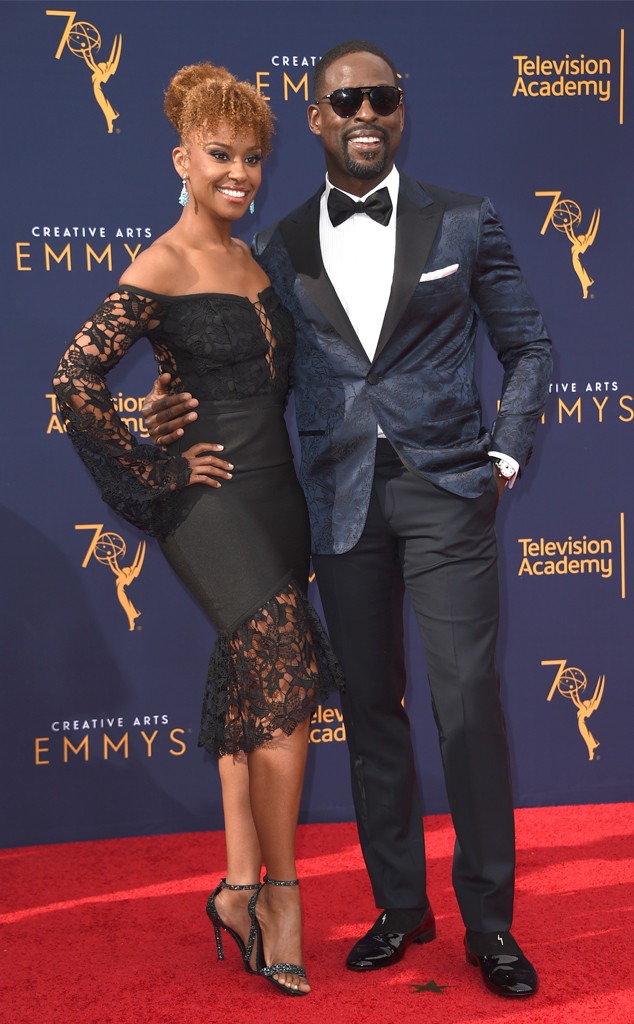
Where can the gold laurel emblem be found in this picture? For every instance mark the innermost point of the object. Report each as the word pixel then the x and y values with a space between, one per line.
pixel 565 216
pixel 83 40
pixel 108 549
pixel 571 682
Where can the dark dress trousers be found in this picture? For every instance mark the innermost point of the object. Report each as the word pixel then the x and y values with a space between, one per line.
pixel 416 512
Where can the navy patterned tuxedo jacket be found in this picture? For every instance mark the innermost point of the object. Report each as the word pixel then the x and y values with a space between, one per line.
pixel 420 385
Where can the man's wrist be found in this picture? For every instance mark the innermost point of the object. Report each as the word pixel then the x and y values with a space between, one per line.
pixel 506 467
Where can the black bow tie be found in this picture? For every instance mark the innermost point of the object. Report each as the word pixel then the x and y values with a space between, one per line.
pixel 378 206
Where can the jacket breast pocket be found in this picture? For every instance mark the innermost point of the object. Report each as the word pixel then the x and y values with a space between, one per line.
pixel 439 285
pixel 442 295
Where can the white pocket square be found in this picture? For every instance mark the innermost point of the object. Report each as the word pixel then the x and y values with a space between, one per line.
pixel 434 275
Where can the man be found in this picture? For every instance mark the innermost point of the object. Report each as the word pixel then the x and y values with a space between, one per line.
pixel 402 483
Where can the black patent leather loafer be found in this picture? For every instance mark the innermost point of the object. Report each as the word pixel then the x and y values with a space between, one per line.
pixel 508 974
pixel 383 948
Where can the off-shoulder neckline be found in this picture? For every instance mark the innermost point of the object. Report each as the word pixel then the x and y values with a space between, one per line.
pixel 191 295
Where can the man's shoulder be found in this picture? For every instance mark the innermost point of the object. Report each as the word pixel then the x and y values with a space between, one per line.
pixel 275 232
pixel 448 197
pixel 262 238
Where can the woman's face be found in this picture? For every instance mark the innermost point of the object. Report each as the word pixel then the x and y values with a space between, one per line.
pixel 223 175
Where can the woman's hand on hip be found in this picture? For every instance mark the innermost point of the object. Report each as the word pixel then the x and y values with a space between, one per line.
pixel 207 468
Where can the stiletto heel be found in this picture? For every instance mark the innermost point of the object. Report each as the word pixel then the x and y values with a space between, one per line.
pixel 269 970
pixel 218 923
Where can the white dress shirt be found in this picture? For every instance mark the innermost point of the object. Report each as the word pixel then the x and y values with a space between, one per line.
pixel 358 257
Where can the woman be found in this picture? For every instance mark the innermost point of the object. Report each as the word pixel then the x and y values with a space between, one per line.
pixel 235 529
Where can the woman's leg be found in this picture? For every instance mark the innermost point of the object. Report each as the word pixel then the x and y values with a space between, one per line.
pixel 276 776
pixel 244 859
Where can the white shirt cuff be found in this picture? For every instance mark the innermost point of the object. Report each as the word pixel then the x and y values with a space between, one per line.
pixel 512 463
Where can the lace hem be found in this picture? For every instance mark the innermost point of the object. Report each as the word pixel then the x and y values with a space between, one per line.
pixel 267 676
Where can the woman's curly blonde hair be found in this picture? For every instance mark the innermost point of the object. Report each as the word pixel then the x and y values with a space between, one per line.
pixel 201 96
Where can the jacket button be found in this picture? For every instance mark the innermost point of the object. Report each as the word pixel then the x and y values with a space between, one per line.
pixel 373 378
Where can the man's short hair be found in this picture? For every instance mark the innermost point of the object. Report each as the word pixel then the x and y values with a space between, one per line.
pixel 342 50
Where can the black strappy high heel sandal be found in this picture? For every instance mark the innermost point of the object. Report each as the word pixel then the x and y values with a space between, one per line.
pixel 269 970
pixel 218 923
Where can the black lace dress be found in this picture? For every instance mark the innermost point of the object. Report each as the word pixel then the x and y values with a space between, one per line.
pixel 242 549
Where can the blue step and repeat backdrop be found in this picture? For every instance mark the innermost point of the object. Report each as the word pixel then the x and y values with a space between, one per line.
pixel 104 654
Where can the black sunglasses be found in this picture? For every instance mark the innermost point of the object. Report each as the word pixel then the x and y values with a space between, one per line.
pixel 384 99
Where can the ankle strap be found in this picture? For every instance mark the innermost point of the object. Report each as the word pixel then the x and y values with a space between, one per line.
pixel 276 881
pixel 238 888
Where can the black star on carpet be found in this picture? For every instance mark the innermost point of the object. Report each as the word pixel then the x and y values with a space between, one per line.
pixel 431 986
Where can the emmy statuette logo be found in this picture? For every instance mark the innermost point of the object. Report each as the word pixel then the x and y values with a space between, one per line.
pixel 83 40
pixel 109 549
pixel 565 216
pixel 571 683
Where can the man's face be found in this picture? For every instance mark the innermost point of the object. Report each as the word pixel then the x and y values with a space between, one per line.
pixel 359 150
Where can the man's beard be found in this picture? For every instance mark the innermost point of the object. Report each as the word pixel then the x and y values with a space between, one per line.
pixel 364 167
pixel 371 168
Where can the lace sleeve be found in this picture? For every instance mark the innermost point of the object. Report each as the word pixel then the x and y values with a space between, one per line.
pixel 135 479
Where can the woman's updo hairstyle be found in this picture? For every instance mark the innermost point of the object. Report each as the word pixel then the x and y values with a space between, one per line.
pixel 201 96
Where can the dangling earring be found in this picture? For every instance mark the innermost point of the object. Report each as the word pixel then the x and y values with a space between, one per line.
pixel 184 196
pixel 252 206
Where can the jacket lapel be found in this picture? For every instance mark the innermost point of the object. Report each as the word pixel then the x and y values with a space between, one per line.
pixel 300 231
pixel 419 217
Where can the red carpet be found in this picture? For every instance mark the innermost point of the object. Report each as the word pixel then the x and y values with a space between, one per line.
pixel 115 932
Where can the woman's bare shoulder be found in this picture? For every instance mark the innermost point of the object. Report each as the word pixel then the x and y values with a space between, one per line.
pixel 156 268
